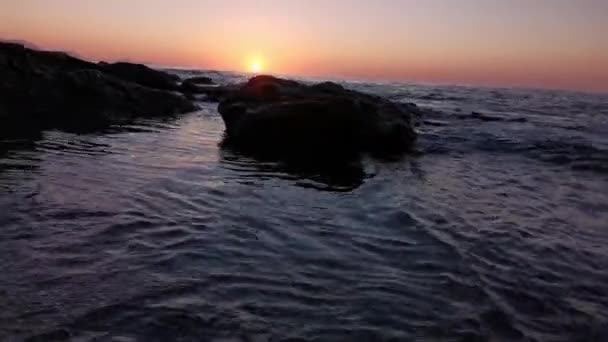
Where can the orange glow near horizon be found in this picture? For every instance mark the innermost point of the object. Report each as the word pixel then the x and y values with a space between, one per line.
pixel 545 43
pixel 256 65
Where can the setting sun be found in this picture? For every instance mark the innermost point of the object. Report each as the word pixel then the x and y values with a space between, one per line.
pixel 256 66
pixel 228 168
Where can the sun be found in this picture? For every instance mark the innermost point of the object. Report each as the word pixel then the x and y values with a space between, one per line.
pixel 256 66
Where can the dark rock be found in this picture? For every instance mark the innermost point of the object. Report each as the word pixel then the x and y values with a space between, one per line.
pixel 202 85
pixel 219 93
pixel 141 74
pixel 197 85
pixel 190 88
pixel 198 80
pixel 193 88
pixel 436 123
pixel 51 89
pixel 490 118
pixel 17 58
pixel 281 118
pixel 25 43
pixel 190 96
pixel 211 93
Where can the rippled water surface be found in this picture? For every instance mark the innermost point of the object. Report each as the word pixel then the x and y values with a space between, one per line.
pixel 496 230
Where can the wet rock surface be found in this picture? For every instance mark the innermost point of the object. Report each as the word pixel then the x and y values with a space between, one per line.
pixel 199 80
pixel 274 117
pixel 42 89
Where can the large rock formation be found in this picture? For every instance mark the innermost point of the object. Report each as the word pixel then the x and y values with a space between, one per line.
pixel 281 118
pixel 40 89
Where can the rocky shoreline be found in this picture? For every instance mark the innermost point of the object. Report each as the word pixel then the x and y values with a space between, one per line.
pixel 43 89
pixel 265 116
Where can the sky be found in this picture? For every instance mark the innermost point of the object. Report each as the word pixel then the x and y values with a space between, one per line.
pixel 528 43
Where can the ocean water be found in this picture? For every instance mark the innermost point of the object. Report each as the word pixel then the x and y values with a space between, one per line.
pixel 495 230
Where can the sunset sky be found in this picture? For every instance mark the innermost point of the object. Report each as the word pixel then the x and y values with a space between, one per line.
pixel 537 43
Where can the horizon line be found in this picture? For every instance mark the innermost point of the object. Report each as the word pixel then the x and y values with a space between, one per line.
pixel 333 77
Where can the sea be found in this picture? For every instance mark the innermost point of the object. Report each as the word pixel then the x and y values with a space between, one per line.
pixel 494 229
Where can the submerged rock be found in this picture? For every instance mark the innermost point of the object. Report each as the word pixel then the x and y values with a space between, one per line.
pixel 275 117
pixel 204 86
pixel 491 118
pixel 193 88
pixel 40 89
pixel 196 85
pixel 198 80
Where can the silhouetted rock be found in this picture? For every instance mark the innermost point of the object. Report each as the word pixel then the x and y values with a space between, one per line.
pixel 192 88
pixel 196 85
pixel 202 85
pixel 491 118
pixel 25 43
pixel 141 74
pixel 211 93
pixel 21 59
pixel 199 80
pixel 219 93
pixel 281 118
pixel 42 89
